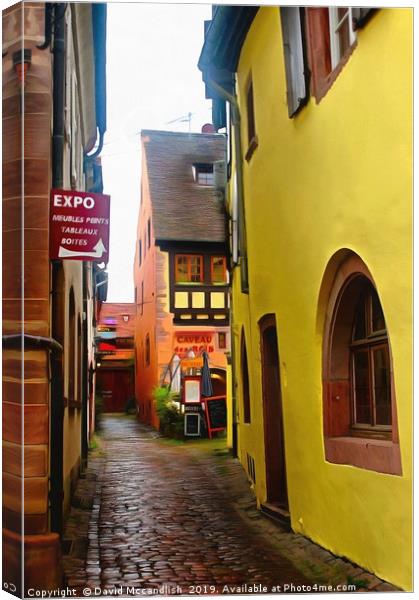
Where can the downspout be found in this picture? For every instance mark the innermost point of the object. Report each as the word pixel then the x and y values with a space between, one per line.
pixel 99 17
pixel 236 120
pixel 14 340
pixel 84 374
pixel 57 376
pixel 58 95
pixel 99 24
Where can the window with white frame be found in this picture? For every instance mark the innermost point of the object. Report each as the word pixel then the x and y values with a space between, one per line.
pixel 331 34
pixel 342 34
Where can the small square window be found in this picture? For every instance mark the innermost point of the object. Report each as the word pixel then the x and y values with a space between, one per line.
pixel 189 268
pixel 222 340
pixel 203 173
pixel 218 269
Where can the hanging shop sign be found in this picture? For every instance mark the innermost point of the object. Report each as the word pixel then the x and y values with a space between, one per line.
pixel 79 226
pixel 192 363
pixel 196 341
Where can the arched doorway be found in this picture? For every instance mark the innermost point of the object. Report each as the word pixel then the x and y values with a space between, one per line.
pixel 276 479
pixel 218 381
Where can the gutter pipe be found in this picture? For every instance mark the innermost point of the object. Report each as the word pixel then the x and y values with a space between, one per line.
pixel 54 31
pixel 58 95
pixel 56 493
pixel 17 340
pixel 236 120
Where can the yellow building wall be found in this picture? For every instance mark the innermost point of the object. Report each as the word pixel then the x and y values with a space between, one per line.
pixel 338 175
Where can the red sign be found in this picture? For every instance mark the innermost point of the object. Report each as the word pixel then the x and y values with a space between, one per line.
pixel 79 226
pixel 195 341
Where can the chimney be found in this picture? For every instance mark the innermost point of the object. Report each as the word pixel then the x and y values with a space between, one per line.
pixel 208 128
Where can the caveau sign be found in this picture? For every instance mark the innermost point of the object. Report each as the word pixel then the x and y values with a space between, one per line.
pixel 197 342
pixel 79 226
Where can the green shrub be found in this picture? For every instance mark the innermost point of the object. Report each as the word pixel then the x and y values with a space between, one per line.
pixel 171 420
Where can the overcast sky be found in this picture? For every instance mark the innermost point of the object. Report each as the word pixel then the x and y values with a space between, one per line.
pixel 152 78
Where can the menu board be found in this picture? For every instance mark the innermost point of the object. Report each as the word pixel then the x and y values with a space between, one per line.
pixel 217 413
pixel 192 390
pixel 192 424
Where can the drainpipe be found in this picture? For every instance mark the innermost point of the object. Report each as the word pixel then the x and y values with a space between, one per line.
pixel 14 340
pixel 236 120
pixel 99 17
pixel 58 95
pixel 84 374
pixel 57 377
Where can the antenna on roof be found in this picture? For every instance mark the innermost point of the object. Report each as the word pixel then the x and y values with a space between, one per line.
pixel 183 119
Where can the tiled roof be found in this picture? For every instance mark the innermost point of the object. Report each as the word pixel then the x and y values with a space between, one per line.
pixel 182 209
pixel 110 311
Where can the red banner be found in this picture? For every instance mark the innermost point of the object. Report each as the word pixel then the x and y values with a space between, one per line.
pixel 79 226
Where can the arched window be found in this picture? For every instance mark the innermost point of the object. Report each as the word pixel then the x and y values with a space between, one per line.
pixel 245 381
pixel 360 420
pixel 370 366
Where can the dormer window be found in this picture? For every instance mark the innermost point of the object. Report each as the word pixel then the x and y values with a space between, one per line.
pixel 203 173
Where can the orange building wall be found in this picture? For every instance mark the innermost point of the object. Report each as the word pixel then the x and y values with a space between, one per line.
pixel 154 316
pixel 146 377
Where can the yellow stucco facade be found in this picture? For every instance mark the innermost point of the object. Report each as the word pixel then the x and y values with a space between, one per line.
pixel 336 176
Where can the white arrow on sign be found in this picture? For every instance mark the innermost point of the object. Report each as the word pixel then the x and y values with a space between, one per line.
pixel 98 251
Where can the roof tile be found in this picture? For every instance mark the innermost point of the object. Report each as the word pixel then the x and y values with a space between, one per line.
pixel 183 210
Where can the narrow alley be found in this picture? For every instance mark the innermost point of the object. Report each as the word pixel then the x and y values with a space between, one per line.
pixel 207 299
pixel 180 518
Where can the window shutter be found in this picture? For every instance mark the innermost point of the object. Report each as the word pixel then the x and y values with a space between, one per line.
pixel 360 16
pixel 292 35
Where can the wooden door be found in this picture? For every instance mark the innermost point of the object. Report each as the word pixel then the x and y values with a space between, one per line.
pixel 117 387
pixel 276 480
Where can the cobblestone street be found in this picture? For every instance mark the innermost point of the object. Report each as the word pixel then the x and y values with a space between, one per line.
pixel 178 517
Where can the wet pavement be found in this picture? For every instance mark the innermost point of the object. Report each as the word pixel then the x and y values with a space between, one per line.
pixel 160 518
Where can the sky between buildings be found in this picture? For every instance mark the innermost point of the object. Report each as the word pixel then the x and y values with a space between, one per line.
pixel 152 79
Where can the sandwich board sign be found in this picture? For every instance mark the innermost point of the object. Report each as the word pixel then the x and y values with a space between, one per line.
pixel 79 226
